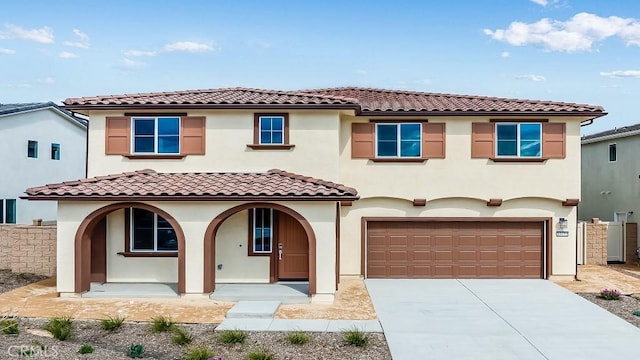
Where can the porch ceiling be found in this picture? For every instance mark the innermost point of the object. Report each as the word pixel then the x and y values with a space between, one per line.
pixel 150 185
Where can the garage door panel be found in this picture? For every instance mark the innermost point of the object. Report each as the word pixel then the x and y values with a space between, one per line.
pixel 454 249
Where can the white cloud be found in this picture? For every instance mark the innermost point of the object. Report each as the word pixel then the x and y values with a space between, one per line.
pixel 83 40
pixel 540 2
pixel 622 73
pixel 43 35
pixel 67 55
pixel 576 34
pixel 7 51
pixel 531 77
pixel 505 54
pixel 47 81
pixel 188 46
pixel 129 64
pixel 361 72
pixel 140 53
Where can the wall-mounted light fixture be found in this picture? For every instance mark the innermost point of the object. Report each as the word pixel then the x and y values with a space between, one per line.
pixel 563 224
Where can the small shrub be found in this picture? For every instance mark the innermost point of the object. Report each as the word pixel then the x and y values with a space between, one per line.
pixel 85 349
pixel 9 326
pixel 42 346
pixel 297 338
pixel 181 336
pixel 260 354
pixel 60 327
pixel 25 276
pixel 112 323
pixel 610 294
pixel 232 336
pixel 135 351
pixel 355 337
pixel 26 352
pixel 200 352
pixel 161 324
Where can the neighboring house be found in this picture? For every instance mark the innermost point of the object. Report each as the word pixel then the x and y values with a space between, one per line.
pixel 40 143
pixel 610 175
pixel 436 186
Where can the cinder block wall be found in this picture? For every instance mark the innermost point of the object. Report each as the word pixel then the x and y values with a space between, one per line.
pixel 28 249
pixel 631 242
pixel 596 244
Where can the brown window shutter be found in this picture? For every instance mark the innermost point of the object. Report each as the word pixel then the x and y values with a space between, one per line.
pixel 192 139
pixel 482 140
pixel 433 144
pixel 118 135
pixel 554 140
pixel 362 140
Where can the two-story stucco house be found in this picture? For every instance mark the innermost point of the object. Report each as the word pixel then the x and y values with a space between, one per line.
pixel 245 185
pixel 610 175
pixel 40 143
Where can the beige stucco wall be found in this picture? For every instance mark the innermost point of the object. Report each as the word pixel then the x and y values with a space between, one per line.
pixel 563 248
pixel 459 186
pixel 314 134
pixel 146 269
pixel 194 217
pixel 231 252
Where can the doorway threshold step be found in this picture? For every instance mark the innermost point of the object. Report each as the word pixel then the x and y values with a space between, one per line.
pixel 253 310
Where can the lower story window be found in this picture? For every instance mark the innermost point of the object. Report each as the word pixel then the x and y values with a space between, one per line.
pixel 151 232
pixel 262 230
pixel 8 211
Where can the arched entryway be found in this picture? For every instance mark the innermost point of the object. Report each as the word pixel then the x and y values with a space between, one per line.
pixel 212 230
pixel 83 241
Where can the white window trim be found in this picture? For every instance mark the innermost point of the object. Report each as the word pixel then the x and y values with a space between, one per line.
pixel 615 145
pixel 155 236
pixel 253 232
pixel 155 134
pixel 260 129
pixel 518 156
pixel 399 145
pixel 35 148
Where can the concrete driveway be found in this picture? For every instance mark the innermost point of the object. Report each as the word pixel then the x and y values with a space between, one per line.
pixel 496 319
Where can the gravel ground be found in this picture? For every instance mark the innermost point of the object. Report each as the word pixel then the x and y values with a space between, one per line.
pixel 623 308
pixel 10 281
pixel 159 345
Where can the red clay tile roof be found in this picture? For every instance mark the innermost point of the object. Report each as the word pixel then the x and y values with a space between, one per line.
pixel 393 101
pixel 212 98
pixel 365 101
pixel 150 185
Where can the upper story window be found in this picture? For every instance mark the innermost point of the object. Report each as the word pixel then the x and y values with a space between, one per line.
pixel 398 140
pixel 156 135
pixel 151 232
pixel 55 151
pixel 271 129
pixel 270 132
pixel 613 153
pixel 32 149
pixel 522 140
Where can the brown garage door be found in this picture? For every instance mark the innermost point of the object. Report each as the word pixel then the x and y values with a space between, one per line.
pixel 454 249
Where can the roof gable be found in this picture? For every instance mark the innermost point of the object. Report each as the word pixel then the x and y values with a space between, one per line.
pixel 19 108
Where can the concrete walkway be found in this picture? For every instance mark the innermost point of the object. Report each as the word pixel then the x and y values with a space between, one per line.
pixel 496 319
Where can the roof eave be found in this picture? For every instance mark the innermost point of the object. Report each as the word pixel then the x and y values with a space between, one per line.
pixel 210 106
pixel 592 115
pixel 190 198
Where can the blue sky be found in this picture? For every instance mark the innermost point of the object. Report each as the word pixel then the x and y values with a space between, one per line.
pixel 585 51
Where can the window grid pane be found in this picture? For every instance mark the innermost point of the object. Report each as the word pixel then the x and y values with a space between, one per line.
pixel 398 140
pixel 519 140
pixel 10 210
pixel 156 135
pixel 151 232
pixel 613 156
pixel 271 130
pixel 262 226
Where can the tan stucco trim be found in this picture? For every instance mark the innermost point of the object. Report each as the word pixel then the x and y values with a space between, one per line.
pixel 82 255
pixel 212 230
